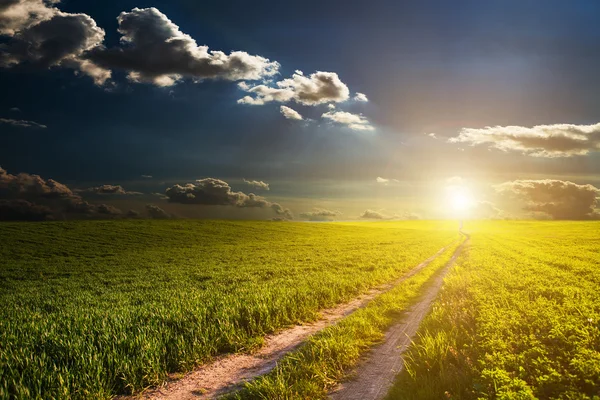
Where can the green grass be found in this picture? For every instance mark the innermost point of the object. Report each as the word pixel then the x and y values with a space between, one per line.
pixel 96 308
pixel 519 318
pixel 327 357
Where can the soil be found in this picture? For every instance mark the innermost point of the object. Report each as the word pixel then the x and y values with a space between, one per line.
pixel 229 372
pixel 376 373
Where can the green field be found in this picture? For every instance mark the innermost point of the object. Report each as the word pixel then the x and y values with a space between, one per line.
pixel 92 309
pixel 518 318
pixel 96 308
pixel 328 356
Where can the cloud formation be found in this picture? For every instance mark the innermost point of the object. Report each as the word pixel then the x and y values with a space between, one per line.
pixel 290 113
pixel 353 121
pixel 161 196
pixel 385 181
pixel 360 97
pixel 87 210
pixel 555 198
pixel 154 50
pixel 43 36
pixel 408 216
pixel 23 210
pixel 26 186
pixel 16 15
pixel 30 197
pixel 317 88
pixel 156 212
pixel 320 214
pixel 559 140
pixel 371 214
pixel 109 190
pixel 264 94
pixel 257 184
pixel 211 191
pixel 21 123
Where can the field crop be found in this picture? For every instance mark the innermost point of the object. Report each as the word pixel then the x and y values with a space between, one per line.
pixel 518 318
pixel 315 368
pixel 91 309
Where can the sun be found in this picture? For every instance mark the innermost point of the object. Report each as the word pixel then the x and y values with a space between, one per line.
pixel 461 200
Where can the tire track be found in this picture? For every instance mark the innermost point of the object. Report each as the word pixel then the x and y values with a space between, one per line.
pixel 375 375
pixel 228 372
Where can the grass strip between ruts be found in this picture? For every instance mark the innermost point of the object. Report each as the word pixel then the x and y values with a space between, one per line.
pixel 328 357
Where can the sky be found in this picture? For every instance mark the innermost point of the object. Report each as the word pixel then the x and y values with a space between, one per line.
pixel 314 110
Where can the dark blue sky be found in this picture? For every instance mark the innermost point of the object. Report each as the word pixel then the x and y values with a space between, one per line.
pixel 426 67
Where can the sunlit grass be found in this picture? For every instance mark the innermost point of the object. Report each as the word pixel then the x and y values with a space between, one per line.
pixel 92 308
pixel 327 358
pixel 519 318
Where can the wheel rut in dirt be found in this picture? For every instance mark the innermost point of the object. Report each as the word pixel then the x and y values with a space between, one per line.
pixel 228 372
pixel 375 375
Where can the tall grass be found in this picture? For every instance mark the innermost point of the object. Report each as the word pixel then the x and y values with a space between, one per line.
pixel 518 319
pixel 327 357
pixel 97 308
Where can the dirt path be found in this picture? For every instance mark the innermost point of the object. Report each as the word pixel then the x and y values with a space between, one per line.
pixel 376 374
pixel 228 372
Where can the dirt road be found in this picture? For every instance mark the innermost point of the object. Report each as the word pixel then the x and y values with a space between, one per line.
pixel 375 375
pixel 228 372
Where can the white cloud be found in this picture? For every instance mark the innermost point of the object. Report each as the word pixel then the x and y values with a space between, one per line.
pixel 257 184
pixel 16 15
pixel 43 36
pixel 352 121
pixel 265 94
pixel 559 140
pixel 290 113
pixel 386 181
pixel 318 88
pixel 361 127
pixel 361 97
pixel 155 50
pixel 432 135
pixel 97 73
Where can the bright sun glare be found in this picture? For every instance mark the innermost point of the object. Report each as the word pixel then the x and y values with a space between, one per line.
pixel 461 200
